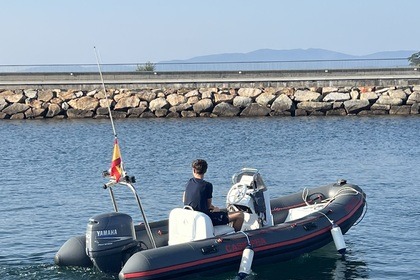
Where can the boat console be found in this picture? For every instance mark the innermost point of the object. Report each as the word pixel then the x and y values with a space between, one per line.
pixel 250 195
pixel 247 194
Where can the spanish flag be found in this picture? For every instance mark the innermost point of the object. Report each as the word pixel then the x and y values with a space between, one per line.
pixel 116 164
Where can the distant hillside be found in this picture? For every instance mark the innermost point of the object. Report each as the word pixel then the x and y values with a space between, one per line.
pixel 264 59
pixel 296 59
pixel 291 55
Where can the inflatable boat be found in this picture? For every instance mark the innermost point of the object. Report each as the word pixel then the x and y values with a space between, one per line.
pixel 275 229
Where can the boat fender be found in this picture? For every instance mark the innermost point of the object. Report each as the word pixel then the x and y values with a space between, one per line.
pixel 246 262
pixel 339 242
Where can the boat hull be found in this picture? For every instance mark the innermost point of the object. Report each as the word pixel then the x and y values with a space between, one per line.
pixel 283 241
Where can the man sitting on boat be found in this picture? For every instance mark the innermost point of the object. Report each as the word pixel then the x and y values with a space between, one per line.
pixel 199 193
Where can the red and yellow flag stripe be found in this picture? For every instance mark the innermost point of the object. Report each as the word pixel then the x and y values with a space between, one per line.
pixel 116 163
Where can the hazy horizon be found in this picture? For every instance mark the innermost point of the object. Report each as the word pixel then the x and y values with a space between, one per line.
pixel 131 31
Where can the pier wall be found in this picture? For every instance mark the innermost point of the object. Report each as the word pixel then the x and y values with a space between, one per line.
pixel 213 94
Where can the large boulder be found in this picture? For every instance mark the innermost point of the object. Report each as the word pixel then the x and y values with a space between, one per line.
pixel 355 106
pixel 102 111
pixel 225 110
pixel 327 90
pixel 223 97
pixel 136 112
pixel 18 116
pixel 307 95
pixel 204 105
pixel 381 107
pixel 53 110
pixel 188 114
pixel 336 96
pixel 242 101
pixel 249 92
pixel 255 110
pixel 191 93
pixel 45 95
pixel 176 99
pixel 207 92
pixel 92 93
pixel 413 98
pixel 172 115
pixel 336 112
pixel 12 97
pixel 388 100
pixel 35 103
pixel 400 110
pixel 119 114
pixel 33 113
pixel 315 106
pixel 161 113
pixel 79 114
pixel 181 107
pixel 146 95
pixel 282 103
pixel 158 103
pixel 15 108
pixel 147 115
pixel 369 95
pixel 3 103
pixel 84 103
pixel 121 95
pixel 415 109
pixel 265 98
pixel 193 99
pixel 127 102
pixel 66 95
pixel 30 93
pixel 105 102
pixel 397 93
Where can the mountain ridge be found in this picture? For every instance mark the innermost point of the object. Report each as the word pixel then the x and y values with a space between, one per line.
pixel 291 55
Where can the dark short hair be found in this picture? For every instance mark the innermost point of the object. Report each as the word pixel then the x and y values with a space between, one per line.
pixel 200 166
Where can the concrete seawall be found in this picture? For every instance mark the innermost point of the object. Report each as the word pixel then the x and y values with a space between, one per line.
pixel 216 79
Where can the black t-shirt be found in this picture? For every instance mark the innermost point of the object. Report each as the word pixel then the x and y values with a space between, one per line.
pixel 197 192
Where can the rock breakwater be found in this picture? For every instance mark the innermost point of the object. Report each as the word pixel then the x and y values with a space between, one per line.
pixel 209 102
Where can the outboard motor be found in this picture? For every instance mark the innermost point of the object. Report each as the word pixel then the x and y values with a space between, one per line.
pixel 110 241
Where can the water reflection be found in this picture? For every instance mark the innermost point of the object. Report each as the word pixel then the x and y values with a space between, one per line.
pixel 324 263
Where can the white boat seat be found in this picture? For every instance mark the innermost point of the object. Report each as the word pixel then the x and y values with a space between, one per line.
pixel 188 225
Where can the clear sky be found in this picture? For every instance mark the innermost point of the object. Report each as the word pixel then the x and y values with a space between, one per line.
pixel 135 31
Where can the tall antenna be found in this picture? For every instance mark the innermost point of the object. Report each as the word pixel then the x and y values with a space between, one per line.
pixel 106 94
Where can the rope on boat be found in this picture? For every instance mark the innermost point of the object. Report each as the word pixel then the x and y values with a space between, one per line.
pixel 339 193
pixel 246 235
pixel 336 233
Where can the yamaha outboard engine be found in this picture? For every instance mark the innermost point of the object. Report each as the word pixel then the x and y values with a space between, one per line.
pixel 110 241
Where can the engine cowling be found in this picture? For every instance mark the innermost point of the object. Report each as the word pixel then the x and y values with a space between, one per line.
pixel 110 241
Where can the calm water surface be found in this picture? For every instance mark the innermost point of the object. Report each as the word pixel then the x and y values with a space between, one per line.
pixel 52 184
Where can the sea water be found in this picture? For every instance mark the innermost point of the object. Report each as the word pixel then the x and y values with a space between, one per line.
pixel 51 184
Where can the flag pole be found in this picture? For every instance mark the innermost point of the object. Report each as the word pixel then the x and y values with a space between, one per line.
pixel 128 182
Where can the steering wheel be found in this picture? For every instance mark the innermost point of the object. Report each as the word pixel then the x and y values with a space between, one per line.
pixel 236 193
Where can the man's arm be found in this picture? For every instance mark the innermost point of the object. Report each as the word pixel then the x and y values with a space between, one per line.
pixel 211 207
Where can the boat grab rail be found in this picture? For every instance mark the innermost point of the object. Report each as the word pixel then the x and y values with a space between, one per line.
pixel 128 182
